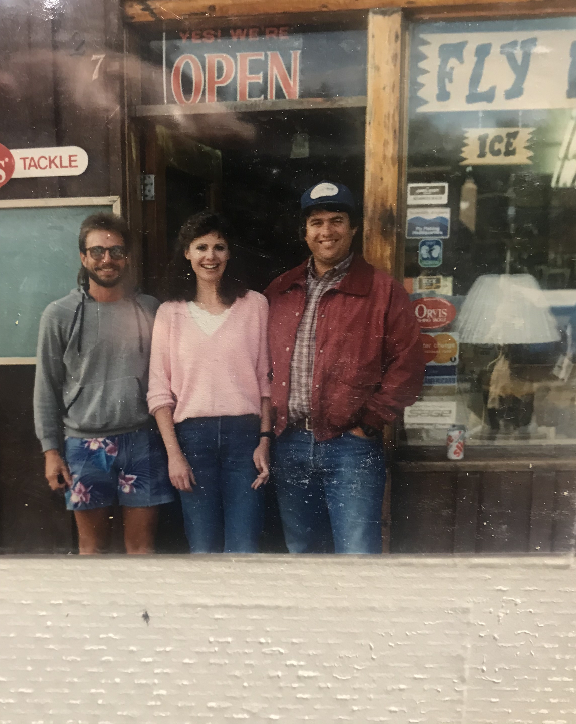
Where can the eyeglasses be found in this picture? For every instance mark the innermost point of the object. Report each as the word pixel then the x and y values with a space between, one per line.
pixel 99 252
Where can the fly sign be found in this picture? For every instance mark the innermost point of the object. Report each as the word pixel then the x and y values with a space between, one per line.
pixel 495 71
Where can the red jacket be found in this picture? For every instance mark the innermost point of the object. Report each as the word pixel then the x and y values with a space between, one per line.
pixel 369 362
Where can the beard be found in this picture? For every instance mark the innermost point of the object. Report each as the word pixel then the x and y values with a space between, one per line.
pixel 107 283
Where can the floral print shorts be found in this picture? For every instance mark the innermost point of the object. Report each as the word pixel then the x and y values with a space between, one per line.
pixel 130 468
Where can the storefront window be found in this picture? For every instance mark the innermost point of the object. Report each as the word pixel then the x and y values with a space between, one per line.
pixel 241 117
pixel 490 247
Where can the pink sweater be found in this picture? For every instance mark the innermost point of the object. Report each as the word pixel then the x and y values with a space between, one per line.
pixel 208 376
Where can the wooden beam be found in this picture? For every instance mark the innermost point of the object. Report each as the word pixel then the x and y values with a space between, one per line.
pixel 382 138
pixel 113 201
pixel 302 104
pixel 487 11
pixel 529 464
pixel 382 148
pixel 145 11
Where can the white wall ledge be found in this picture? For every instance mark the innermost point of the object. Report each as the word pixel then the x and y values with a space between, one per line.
pixel 440 640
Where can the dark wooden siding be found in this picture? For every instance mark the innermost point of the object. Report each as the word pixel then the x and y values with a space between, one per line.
pixel 505 506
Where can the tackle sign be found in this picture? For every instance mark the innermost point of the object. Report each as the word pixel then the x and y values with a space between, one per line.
pixel 38 162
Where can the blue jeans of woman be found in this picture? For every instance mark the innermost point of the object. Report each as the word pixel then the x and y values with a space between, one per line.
pixel 222 513
pixel 330 492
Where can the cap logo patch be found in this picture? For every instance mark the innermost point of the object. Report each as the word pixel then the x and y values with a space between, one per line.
pixel 324 189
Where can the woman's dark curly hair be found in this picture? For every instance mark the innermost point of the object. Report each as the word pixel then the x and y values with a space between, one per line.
pixel 180 280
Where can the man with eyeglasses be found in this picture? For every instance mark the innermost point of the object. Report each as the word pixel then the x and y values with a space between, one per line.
pixel 90 410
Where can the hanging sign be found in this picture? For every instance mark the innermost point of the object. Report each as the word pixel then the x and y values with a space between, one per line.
pixel 496 147
pixel 259 63
pixel 497 71
pixel 430 253
pixel 432 222
pixel 433 312
pixel 430 194
pixel 38 162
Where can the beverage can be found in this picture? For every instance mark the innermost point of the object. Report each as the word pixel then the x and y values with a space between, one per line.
pixel 455 442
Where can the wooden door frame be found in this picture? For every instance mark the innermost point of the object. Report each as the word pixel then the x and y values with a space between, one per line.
pixel 148 11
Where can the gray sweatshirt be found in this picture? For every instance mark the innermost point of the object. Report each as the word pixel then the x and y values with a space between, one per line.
pixel 92 367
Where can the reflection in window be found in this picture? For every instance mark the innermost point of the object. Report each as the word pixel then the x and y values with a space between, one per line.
pixel 491 229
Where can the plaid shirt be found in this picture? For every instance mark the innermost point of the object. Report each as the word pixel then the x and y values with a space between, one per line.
pixel 302 364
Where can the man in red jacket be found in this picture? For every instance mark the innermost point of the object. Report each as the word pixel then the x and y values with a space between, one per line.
pixel 347 358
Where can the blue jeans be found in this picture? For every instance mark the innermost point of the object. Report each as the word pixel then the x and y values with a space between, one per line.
pixel 222 513
pixel 330 491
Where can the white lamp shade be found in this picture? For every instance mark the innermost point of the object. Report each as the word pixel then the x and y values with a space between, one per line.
pixel 506 309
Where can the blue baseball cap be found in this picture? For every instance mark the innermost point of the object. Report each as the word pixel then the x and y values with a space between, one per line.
pixel 327 193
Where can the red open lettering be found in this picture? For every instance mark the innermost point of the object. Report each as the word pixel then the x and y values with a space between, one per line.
pixel 277 72
pixel 244 76
pixel 197 79
pixel 213 80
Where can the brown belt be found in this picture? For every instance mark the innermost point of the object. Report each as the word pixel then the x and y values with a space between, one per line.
pixel 304 423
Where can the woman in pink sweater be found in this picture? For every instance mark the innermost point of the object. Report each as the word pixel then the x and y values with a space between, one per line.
pixel 210 392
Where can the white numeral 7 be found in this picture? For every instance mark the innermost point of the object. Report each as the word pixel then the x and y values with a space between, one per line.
pixel 98 58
